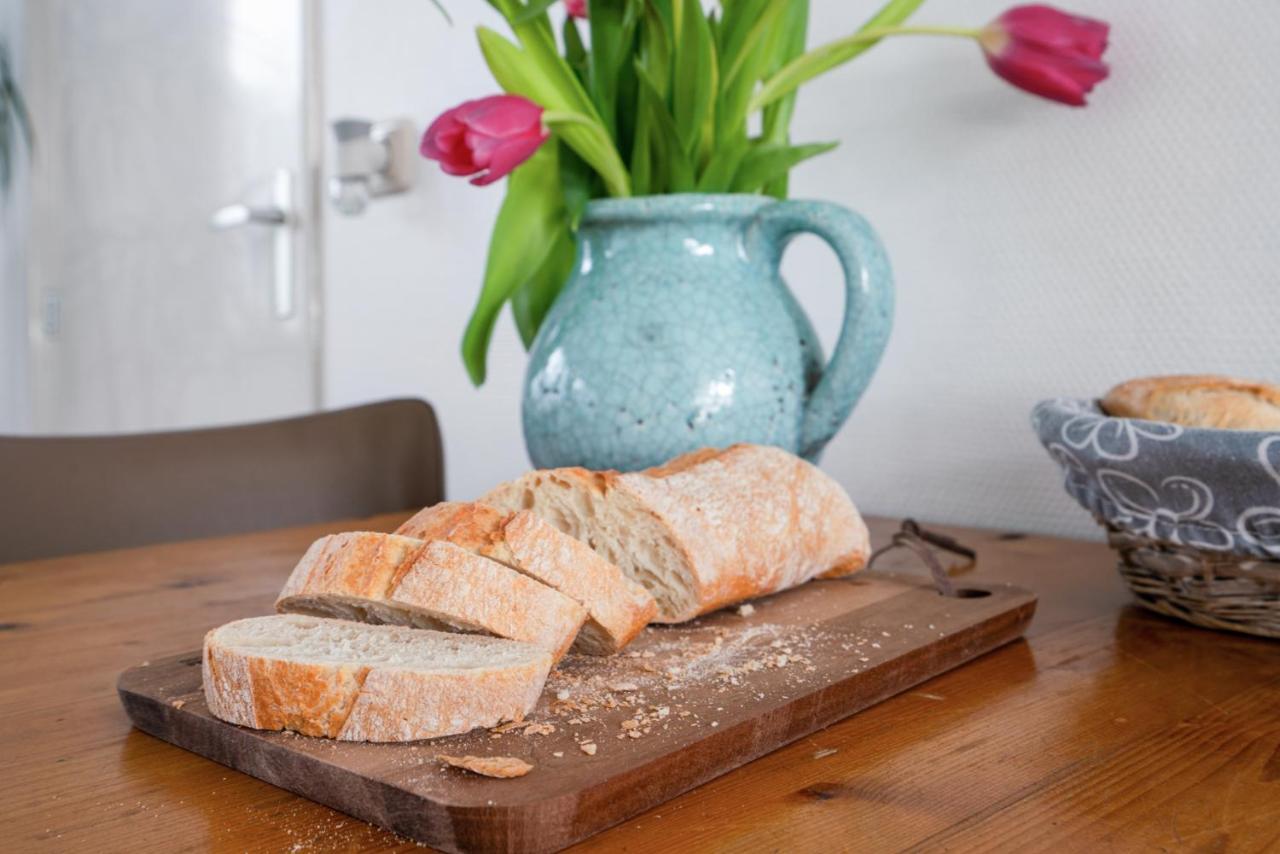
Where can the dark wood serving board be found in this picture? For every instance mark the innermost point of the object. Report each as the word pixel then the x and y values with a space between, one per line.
pixel 706 697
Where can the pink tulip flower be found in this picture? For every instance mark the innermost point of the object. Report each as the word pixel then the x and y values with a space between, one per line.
pixel 487 138
pixel 577 8
pixel 1047 52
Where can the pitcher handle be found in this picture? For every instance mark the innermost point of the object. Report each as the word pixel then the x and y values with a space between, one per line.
pixel 868 312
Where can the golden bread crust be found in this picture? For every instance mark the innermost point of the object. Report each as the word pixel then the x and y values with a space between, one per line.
pixel 356 701
pixel 617 607
pixel 742 521
pixel 393 578
pixel 1203 401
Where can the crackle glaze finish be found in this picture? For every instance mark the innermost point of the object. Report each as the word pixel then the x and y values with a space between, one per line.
pixel 676 332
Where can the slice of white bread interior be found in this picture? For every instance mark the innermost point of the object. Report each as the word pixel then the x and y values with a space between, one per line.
pixel 707 529
pixel 386 578
pixel 358 682
pixel 617 607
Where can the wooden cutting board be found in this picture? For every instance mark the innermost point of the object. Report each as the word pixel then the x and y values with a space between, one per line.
pixel 614 737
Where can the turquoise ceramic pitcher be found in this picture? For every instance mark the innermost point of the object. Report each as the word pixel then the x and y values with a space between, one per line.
pixel 676 332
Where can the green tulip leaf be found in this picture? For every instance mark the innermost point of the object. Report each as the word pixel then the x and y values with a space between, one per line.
pixel 788 43
pixel 530 224
pixel 532 300
pixel 693 85
pixel 768 161
pixel 718 176
pixel 669 148
pixel 534 10
pixel 575 52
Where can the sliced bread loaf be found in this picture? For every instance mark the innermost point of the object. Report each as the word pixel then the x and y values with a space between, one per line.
pixel 617 607
pixel 385 578
pixel 355 682
pixel 707 529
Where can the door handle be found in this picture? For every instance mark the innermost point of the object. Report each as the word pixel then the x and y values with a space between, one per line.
pixel 280 216
pixel 236 215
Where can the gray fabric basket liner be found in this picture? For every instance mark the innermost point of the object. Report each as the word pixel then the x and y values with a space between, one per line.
pixel 1217 490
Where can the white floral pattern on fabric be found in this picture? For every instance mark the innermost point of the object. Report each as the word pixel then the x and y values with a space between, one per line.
pixel 1074 472
pixel 1114 438
pixel 1177 512
pixel 1269 456
pixel 1209 489
pixel 1260 525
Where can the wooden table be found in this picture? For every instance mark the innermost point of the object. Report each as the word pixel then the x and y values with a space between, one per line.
pixel 1108 728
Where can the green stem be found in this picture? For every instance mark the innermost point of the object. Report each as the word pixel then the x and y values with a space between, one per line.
pixel 881 32
pixel 536 39
pixel 833 54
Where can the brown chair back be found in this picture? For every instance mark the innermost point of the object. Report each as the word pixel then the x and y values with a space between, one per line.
pixel 66 494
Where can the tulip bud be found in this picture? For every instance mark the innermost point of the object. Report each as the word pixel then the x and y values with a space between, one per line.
pixel 1047 52
pixel 487 138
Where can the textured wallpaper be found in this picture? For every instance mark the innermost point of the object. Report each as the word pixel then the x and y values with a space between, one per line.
pixel 1039 250
pixel 1045 251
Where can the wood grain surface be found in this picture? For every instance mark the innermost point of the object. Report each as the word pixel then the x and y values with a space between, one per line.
pixel 682 705
pixel 1108 728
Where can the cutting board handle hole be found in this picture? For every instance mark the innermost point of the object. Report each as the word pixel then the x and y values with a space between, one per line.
pixel 971 593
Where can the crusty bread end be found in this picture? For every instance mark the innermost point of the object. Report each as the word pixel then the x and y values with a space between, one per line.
pixel 354 682
pixel 707 529
pixel 1217 402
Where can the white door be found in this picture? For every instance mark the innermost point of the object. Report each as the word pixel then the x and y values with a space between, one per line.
pixel 171 266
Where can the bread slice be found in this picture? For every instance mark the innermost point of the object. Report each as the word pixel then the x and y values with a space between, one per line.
pixel 617 607
pixel 385 578
pixel 1198 401
pixel 356 682
pixel 707 529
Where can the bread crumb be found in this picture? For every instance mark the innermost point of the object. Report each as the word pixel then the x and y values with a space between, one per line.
pixel 488 766
pixel 178 704
pixel 562 694
pixel 558 754
pixel 746 610
pixel 510 725
pixel 539 729
pixel 588 748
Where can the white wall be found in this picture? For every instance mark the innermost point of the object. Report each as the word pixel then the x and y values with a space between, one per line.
pixel 1039 250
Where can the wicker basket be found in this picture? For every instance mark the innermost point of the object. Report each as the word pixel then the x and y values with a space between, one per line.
pixel 1194 514
pixel 1217 590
